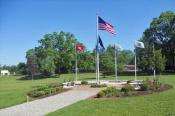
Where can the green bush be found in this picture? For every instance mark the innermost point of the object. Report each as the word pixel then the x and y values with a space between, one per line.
pixel 130 93
pixel 144 87
pixel 41 88
pixel 157 84
pixel 118 93
pixel 59 88
pixel 47 91
pixel 114 93
pixel 127 88
pixel 52 90
pixel 109 90
pixel 84 82
pixel 94 85
pixel 36 93
pixel 100 94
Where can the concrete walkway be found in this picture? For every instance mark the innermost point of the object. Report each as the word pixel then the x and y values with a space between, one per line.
pixel 43 106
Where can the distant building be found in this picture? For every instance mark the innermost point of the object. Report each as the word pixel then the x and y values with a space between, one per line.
pixel 130 68
pixel 5 72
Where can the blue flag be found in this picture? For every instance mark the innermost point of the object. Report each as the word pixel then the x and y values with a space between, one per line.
pixel 100 48
pixel 157 39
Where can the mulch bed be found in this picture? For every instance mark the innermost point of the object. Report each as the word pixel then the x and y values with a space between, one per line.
pixel 164 87
pixel 58 92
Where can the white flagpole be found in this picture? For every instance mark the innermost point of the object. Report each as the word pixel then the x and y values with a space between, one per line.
pixel 115 62
pixel 154 71
pixel 75 64
pixel 135 66
pixel 97 54
pixel 76 68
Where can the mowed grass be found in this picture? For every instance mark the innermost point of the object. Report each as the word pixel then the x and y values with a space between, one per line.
pixel 157 104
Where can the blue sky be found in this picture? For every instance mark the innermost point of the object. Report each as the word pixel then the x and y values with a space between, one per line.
pixel 24 22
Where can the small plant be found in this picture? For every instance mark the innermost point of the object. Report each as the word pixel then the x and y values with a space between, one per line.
pixel 100 94
pixel 84 82
pixel 109 90
pixel 145 86
pixel 40 88
pixel 94 85
pixel 127 88
pixel 36 93
pixel 157 84
pixel 129 93
pixel 116 93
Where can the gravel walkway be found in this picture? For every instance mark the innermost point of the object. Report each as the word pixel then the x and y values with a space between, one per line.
pixel 43 106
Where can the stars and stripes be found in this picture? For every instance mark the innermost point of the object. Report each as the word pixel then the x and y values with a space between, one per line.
pixel 103 25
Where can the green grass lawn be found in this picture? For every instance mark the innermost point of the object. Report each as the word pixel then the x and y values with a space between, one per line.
pixel 157 104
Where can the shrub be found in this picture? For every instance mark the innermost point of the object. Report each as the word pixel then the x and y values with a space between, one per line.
pixel 127 88
pixel 84 82
pixel 36 93
pixel 118 93
pixel 100 94
pixel 109 90
pixel 41 88
pixel 115 93
pixel 59 88
pixel 52 90
pixel 47 91
pixel 94 85
pixel 130 93
pixel 157 84
pixel 144 87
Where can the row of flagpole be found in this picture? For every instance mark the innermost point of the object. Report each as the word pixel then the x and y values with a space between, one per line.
pixel 108 27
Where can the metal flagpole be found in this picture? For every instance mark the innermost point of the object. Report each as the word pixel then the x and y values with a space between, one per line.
pixel 115 62
pixel 76 68
pixel 75 64
pixel 154 71
pixel 135 66
pixel 97 54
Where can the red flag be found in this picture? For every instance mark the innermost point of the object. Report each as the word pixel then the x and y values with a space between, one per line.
pixel 80 47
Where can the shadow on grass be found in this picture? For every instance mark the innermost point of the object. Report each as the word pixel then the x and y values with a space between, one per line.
pixel 38 77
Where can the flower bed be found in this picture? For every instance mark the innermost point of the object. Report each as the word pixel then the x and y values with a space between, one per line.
pixel 147 87
pixel 46 90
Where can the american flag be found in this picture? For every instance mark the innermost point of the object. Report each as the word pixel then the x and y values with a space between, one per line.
pixel 103 25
